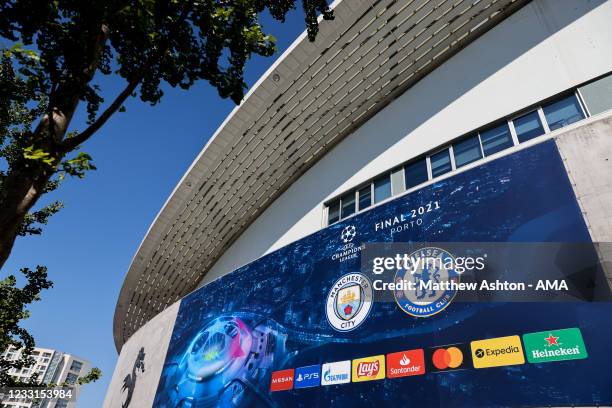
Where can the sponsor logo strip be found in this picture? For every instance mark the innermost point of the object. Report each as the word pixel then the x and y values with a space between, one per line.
pixel 369 368
pixel 309 376
pixel 282 380
pixel 540 347
pixel 336 373
pixel 497 352
pixel 554 345
pixel 405 363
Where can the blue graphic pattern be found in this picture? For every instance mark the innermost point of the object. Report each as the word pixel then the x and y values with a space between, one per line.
pixel 270 314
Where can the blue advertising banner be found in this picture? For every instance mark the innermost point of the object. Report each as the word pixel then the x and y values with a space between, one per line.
pixel 300 326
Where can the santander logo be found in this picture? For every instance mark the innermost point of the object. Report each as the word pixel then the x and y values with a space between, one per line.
pixel 368 369
pixel 405 363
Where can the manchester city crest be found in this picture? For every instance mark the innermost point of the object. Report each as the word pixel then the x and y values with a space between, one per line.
pixel 431 268
pixel 349 302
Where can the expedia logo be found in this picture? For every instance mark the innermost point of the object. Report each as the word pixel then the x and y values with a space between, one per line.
pixel 369 368
pixel 500 351
pixel 480 353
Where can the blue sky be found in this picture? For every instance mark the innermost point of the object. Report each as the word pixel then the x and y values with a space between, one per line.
pixel 88 246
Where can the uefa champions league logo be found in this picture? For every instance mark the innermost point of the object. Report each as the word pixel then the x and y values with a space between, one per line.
pixel 349 248
pixel 348 233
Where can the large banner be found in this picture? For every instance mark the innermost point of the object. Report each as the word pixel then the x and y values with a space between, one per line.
pixel 304 326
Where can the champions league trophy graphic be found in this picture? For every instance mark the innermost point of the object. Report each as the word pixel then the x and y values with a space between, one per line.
pixel 226 364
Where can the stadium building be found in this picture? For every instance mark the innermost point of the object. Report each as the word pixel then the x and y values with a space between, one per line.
pixel 405 122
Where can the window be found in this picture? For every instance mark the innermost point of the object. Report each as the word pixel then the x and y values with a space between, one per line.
pixel 71 378
pixel 365 197
pixel 333 212
pixel 416 173
pixel 440 163
pixel 467 151
pixel 528 126
pixel 563 112
pixel 382 188
pixel 62 403
pixel 347 202
pixel 76 366
pixel 496 139
pixel 471 148
pixel 598 95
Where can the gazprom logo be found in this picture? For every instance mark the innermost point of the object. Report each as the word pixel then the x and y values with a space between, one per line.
pixel 336 373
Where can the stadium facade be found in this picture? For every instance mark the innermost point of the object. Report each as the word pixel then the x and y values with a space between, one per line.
pixel 406 121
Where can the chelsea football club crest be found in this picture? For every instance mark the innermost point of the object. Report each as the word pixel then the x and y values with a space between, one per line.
pixel 349 302
pixel 432 267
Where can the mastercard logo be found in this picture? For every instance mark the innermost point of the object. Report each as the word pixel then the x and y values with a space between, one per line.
pixel 445 358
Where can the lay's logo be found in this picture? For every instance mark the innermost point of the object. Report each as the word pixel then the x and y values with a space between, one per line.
pixel 369 368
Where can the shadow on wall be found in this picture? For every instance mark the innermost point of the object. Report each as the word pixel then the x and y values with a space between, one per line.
pixel 445 85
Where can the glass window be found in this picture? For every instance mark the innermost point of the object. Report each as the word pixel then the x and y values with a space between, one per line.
pixel 382 188
pixel 467 151
pixel 528 126
pixel 62 403
pixel 365 197
pixel 348 204
pixel 333 212
pixel 563 112
pixel 440 163
pixel 71 378
pixel 598 95
pixel 416 173
pixel 76 366
pixel 496 139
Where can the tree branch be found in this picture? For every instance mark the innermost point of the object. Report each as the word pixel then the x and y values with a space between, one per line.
pixel 73 142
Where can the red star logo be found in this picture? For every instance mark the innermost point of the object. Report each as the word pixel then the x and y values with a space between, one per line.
pixel 348 309
pixel 552 340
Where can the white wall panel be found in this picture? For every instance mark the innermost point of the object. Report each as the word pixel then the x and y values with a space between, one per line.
pixel 544 48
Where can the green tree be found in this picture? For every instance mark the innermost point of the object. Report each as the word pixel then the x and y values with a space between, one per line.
pixel 13 308
pixel 56 48
pixel 52 51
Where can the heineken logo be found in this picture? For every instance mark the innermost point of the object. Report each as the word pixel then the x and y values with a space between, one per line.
pixel 554 345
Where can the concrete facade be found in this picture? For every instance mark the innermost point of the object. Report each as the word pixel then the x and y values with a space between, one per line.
pixel 154 337
pixel 587 155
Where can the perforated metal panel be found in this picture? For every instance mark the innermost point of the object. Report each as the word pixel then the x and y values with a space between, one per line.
pixel 361 61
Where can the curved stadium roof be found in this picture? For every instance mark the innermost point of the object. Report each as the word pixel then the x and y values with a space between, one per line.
pixel 312 97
